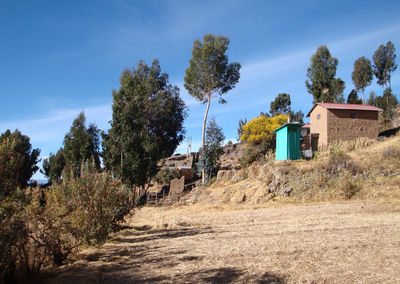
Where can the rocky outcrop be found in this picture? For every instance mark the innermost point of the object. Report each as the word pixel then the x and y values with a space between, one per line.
pixel 230 159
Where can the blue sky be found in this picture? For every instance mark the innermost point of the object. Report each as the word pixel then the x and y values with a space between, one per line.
pixel 58 58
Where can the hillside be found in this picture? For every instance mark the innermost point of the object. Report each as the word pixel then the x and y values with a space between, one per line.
pixel 362 169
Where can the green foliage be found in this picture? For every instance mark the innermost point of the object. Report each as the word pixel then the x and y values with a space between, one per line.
pixel 260 128
pixel 165 175
pixel 209 73
pixel 18 162
pixel 388 103
pixel 353 98
pixel 13 233
pixel 91 205
pixel 258 132
pixel 297 116
pixel 240 129
pixel 384 63
pixel 81 144
pixel 281 104
pixel 362 74
pixel 251 154
pixel 41 228
pixel 147 124
pixel 321 76
pixel 212 151
pixel 53 166
pixel 372 99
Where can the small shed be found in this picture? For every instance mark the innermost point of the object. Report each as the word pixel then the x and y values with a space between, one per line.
pixel 288 141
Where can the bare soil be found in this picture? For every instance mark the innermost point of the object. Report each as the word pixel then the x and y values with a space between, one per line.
pixel 349 242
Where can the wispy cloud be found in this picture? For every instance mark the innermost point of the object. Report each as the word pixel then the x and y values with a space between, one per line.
pixel 51 128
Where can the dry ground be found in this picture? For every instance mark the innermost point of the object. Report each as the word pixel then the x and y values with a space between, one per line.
pixel 349 242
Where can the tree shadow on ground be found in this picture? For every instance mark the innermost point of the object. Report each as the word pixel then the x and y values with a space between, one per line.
pixel 136 258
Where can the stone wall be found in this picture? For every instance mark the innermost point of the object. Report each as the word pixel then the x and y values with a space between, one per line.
pixel 351 124
pixel 176 188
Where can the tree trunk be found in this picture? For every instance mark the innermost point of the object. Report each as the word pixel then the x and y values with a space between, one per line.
pixel 122 161
pixel 363 99
pixel 203 172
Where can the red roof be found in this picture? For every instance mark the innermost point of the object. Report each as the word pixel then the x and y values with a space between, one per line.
pixel 307 125
pixel 345 106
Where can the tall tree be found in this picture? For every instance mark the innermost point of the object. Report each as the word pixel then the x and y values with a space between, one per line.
pixel 321 73
pixel 213 149
pixel 352 98
pixel 384 63
pixel 372 99
pixel 362 75
pixel 210 74
pixel 281 104
pixel 81 144
pixel 18 162
pixel 53 166
pixel 387 102
pixel 297 116
pixel 146 125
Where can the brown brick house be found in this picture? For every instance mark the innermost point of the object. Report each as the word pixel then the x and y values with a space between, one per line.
pixel 331 122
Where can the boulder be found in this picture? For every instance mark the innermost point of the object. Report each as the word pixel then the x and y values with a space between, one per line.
pixel 225 175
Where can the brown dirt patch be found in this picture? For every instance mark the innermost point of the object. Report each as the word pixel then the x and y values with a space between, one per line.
pixel 350 242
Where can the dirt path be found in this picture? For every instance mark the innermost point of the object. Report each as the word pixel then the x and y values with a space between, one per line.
pixel 334 243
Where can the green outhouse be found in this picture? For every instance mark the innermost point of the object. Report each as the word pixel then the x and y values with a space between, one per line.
pixel 288 141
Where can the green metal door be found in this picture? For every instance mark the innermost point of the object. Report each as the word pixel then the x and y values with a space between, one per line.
pixel 292 146
pixel 314 143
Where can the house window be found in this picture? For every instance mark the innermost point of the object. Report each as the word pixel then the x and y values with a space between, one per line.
pixel 318 117
pixel 353 115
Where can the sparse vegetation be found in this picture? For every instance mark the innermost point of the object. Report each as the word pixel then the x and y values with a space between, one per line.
pixel 41 228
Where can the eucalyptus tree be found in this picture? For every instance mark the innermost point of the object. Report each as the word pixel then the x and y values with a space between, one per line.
pixel 53 166
pixel 81 144
pixel 321 82
pixel 18 161
pixel 209 74
pixel 281 104
pixel 146 126
pixel 362 75
pixel 384 63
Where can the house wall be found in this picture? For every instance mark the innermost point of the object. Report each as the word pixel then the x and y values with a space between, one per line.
pixel 342 127
pixel 320 125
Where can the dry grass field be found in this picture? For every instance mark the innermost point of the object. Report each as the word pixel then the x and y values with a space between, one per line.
pixel 239 232
pixel 348 242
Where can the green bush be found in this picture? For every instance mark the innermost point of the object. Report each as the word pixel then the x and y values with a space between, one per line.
pixel 91 205
pixel 165 175
pixel 257 152
pixel 13 232
pixel 42 228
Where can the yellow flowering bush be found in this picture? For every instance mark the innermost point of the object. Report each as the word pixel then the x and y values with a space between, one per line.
pixel 258 128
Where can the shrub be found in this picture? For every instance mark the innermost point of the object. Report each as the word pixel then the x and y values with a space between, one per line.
pixel 349 188
pixel 338 163
pixel 165 175
pixel 392 152
pixel 13 232
pixel 260 128
pixel 93 205
pixel 42 228
pixel 258 152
